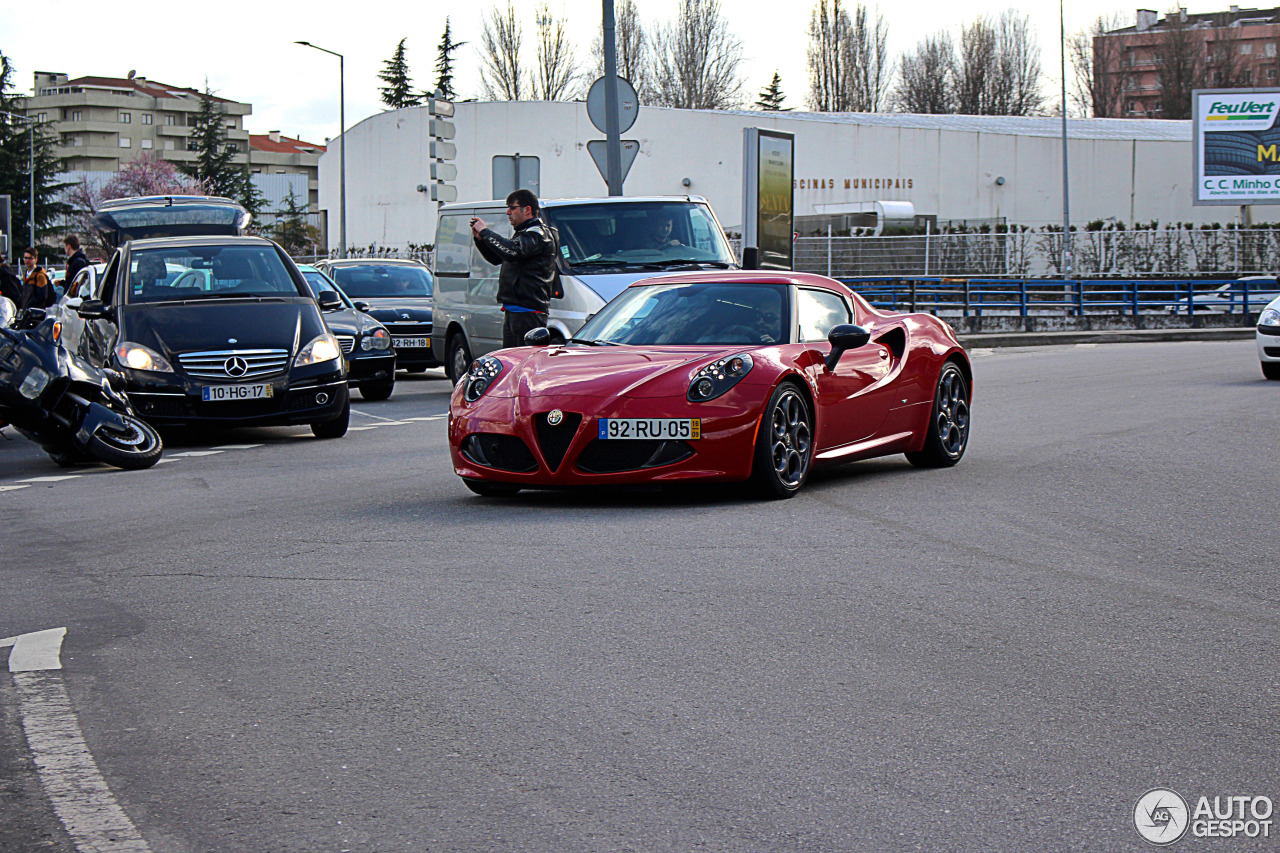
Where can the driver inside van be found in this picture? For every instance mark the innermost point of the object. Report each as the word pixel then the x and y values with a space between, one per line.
pixel 660 232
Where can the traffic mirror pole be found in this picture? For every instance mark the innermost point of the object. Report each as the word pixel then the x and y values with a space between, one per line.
pixel 613 136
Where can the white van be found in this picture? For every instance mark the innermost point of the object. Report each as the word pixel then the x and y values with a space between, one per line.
pixel 605 245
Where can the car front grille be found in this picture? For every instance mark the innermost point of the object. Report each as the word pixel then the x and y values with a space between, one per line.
pixel 611 456
pixel 347 342
pixel 1272 352
pixel 504 452
pixel 234 365
pixel 555 440
pixel 408 330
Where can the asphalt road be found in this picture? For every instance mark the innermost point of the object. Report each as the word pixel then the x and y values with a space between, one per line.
pixel 301 645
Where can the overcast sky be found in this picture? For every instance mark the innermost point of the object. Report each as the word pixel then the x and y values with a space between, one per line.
pixel 246 52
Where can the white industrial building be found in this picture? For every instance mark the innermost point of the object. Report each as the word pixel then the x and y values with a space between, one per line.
pixel 972 168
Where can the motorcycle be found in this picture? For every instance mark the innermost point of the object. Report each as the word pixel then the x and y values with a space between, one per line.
pixel 73 410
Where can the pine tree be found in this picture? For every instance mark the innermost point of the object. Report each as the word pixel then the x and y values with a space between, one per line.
pixel 215 164
pixel 291 229
pixel 444 64
pixel 771 96
pixel 15 169
pixel 398 92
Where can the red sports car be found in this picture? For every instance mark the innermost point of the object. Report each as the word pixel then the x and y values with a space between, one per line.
pixel 736 375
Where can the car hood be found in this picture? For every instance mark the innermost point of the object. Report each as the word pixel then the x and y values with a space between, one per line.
pixel 606 371
pixel 177 327
pixel 392 310
pixel 344 322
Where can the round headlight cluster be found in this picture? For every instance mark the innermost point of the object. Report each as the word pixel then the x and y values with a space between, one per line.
pixel 718 377
pixel 1270 317
pixel 379 339
pixel 482 374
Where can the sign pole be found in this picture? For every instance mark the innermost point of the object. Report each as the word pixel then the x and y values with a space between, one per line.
pixel 612 133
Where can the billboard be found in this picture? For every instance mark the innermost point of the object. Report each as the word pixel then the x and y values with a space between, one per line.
pixel 1236 146
pixel 768 208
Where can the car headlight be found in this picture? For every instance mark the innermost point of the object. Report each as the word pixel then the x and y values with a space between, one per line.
pixel 137 357
pixel 718 377
pixel 482 374
pixel 378 339
pixel 1270 317
pixel 33 383
pixel 321 349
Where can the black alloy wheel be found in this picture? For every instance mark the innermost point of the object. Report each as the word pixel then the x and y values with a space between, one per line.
pixel 948 424
pixel 458 361
pixel 784 447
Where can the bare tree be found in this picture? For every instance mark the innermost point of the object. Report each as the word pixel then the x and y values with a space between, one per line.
pixel 979 57
pixel 500 72
pixel 869 63
pixel 1094 58
pixel 633 50
pixel 1181 69
pixel 557 71
pixel 697 60
pixel 926 78
pixel 828 34
pixel 998 71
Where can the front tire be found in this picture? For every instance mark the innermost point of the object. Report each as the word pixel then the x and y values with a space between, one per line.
pixel 133 448
pixel 1271 369
pixel 948 423
pixel 335 428
pixel 458 361
pixel 375 391
pixel 485 489
pixel 784 447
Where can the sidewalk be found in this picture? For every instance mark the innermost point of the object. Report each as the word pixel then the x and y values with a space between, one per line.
pixel 1108 336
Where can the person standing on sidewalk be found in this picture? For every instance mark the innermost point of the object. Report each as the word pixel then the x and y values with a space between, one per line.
pixel 528 263
pixel 76 259
pixel 38 291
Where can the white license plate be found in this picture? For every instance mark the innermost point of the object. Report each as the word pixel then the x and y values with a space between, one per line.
pixel 687 429
pixel 216 393
pixel 411 343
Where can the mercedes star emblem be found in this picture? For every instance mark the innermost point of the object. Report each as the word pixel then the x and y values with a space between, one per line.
pixel 554 417
pixel 235 366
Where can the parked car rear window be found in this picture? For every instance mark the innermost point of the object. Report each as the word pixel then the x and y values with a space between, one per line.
pixel 377 280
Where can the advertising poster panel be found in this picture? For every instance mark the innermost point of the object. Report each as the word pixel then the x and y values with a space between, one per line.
pixel 768 208
pixel 1236 146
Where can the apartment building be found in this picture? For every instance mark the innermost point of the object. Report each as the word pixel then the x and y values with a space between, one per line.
pixel 1236 48
pixel 102 123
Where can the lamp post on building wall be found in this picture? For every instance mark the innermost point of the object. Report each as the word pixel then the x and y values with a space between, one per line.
pixel 1066 190
pixel 31 200
pixel 342 152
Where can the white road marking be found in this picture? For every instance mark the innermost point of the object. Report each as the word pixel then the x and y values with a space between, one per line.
pixel 982 352
pixel 1086 346
pixel 363 428
pixel 52 478
pixel 68 773
pixel 13 488
pixel 431 418
pixel 237 446
pixel 37 651
pixel 7 641
pixel 367 415
pixel 195 453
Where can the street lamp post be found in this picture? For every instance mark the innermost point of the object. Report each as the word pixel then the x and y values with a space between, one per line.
pixel 342 152
pixel 31 199
pixel 1066 189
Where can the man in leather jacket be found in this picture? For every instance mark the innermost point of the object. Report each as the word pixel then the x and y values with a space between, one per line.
pixel 528 266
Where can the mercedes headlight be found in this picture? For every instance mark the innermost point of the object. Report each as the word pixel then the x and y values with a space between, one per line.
pixel 321 349
pixel 378 339
pixel 1270 317
pixel 718 377
pixel 484 371
pixel 138 357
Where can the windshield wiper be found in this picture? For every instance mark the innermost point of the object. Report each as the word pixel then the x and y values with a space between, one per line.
pixel 622 265
pixel 720 265
pixel 599 342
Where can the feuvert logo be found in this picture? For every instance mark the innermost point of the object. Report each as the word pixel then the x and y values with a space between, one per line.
pixel 1236 113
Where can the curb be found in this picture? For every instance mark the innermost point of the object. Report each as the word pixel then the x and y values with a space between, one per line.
pixel 1112 336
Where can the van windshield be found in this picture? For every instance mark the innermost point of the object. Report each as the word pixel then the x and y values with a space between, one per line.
pixel 655 234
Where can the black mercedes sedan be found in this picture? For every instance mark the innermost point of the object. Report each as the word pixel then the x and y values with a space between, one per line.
pixel 234 339
pixel 366 343
pixel 398 295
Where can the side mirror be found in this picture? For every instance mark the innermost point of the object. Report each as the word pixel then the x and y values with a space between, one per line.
pixel 845 337
pixel 329 301
pixel 361 306
pixel 92 309
pixel 538 337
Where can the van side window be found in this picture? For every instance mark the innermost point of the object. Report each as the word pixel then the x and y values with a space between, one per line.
pixel 453 245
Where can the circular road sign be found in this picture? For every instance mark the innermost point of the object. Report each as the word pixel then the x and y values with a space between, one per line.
pixel 628 105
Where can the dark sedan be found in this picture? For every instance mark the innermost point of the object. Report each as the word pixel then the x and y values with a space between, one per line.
pixel 398 295
pixel 366 343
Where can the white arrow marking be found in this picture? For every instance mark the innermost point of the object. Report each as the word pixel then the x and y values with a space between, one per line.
pixel 39 650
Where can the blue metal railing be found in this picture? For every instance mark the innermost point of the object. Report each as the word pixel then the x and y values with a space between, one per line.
pixel 974 296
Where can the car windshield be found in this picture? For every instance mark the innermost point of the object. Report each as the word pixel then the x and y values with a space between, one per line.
pixel 639 235
pixel 207 272
pixel 719 313
pixel 319 282
pixel 373 281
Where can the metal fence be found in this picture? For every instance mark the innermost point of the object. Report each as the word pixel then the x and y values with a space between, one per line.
pixel 1172 253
